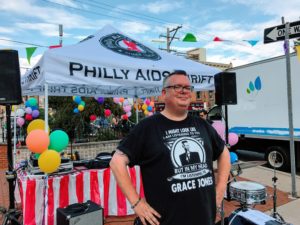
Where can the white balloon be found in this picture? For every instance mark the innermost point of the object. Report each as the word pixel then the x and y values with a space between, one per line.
pixel 20 112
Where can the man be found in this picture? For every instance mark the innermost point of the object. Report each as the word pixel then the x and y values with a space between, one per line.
pixel 203 114
pixel 175 194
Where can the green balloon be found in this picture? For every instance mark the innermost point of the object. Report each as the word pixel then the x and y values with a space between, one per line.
pixel 32 102
pixel 37 155
pixel 59 140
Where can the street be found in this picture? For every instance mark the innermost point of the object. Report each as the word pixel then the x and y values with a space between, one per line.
pixel 253 156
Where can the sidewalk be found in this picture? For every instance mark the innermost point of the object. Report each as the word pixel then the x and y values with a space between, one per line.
pixel 289 211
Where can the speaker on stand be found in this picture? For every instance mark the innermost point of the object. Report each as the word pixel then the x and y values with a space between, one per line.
pixel 225 94
pixel 10 94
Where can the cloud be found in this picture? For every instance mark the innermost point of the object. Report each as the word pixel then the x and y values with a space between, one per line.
pixel 161 6
pixel 289 9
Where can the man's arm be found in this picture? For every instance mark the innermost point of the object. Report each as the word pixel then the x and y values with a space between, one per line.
pixel 118 165
pixel 223 175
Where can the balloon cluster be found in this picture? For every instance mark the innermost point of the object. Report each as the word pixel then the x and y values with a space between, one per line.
pixel 233 138
pixel 31 112
pixel 46 148
pixel 80 102
pixel 127 107
pixel 100 100
pixel 148 107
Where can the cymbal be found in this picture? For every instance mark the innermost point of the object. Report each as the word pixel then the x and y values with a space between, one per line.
pixel 246 165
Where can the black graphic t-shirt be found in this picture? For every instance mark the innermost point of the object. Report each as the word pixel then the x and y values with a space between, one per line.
pixel 176 159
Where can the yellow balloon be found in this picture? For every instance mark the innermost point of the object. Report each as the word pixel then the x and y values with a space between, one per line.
pixel 49 161
pixel 37 124
pixel 144 107
pixel 13 108
pixel 80 108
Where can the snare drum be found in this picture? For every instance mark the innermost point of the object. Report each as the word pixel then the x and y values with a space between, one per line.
pixel 247 192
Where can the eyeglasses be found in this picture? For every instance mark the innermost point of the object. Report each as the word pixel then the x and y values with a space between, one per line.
pixel 179 88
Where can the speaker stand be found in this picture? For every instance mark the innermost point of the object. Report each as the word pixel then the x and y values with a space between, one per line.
pixel 10 174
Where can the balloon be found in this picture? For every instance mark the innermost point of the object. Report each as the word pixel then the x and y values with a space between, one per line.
pixel 27 104
pixel 128 114
pixel 93 117
pixel 124 117
pixel 49 161
pixel 34 107
pixel 80 108
pixel 116 100
pixel 127 108
pixel 28 117
pixel 32 102
pixel 149 108
pixel 82 103
pixel 37 155
pixel 121 99
pixel 20 121
pixel 100 100
pixel 37 124
pixel 146 112
pixel 20 112
pixel 233 157
pixel 126 102
pixel 37 141
pixel 233 139
pixel 147 101
pixel 77 99
pixel 28 110
pixel 152 104
pixel 59 140
pixel 150 113
pixel 144 107
pixel 76 110
pixel 35 113
pixel 220 128
pixel 107 112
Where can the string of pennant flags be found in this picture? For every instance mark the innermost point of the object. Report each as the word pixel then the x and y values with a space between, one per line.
pixel 189 37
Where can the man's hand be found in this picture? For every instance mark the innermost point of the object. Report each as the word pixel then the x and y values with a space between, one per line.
pixel 146 213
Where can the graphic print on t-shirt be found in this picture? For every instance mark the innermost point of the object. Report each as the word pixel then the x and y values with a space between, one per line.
pixel 188 158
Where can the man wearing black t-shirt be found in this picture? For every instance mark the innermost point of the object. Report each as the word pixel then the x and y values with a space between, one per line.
pixel 177 190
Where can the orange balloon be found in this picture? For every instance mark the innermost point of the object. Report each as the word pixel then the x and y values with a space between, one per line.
pixel 121 99
pixel 37 141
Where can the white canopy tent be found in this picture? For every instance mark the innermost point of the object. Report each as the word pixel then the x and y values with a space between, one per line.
pixel 109 64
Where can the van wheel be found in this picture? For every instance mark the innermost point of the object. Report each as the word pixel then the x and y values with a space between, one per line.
pixel 277 157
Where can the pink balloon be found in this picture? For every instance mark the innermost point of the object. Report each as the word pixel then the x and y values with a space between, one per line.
pixel 147 101
pixel 127 108
pixel 116 100
pixel 128 114
pixel 20 121
pixel 220 128
pixel 233 139
pixel 28 110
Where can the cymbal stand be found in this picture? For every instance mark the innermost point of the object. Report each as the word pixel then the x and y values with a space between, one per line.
pixel 275 214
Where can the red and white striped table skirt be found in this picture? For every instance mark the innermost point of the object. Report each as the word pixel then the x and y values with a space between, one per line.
pixel 40 196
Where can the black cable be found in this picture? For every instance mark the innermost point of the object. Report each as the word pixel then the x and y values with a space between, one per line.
pixel 25 43
pixel 96 13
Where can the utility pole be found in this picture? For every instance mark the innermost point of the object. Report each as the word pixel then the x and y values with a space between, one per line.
pixel 170 37
pixel 60 34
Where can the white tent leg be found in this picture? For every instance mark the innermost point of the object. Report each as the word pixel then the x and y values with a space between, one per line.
pixel 136 110
pixel 15 139
pixel 46 108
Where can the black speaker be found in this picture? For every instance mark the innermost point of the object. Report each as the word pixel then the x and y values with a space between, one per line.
pixel 10 85
pixel 80 214
pixel 225 84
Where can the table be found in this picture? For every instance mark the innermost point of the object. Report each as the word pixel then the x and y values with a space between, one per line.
pixel 41 195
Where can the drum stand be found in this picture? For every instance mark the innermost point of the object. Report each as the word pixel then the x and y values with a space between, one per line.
pixel 275 214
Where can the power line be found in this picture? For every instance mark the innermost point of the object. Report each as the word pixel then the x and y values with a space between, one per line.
pixel 101 14
pixel 25 43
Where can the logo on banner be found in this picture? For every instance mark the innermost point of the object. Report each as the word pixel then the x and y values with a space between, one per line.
pixel 124 45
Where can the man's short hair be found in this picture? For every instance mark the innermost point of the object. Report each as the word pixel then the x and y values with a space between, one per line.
pixel 203 111
pixel 175 72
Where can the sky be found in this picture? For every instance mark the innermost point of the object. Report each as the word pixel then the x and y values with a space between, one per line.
pixel 36 23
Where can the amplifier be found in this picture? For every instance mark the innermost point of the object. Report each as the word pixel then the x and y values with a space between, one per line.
pixel 88 213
